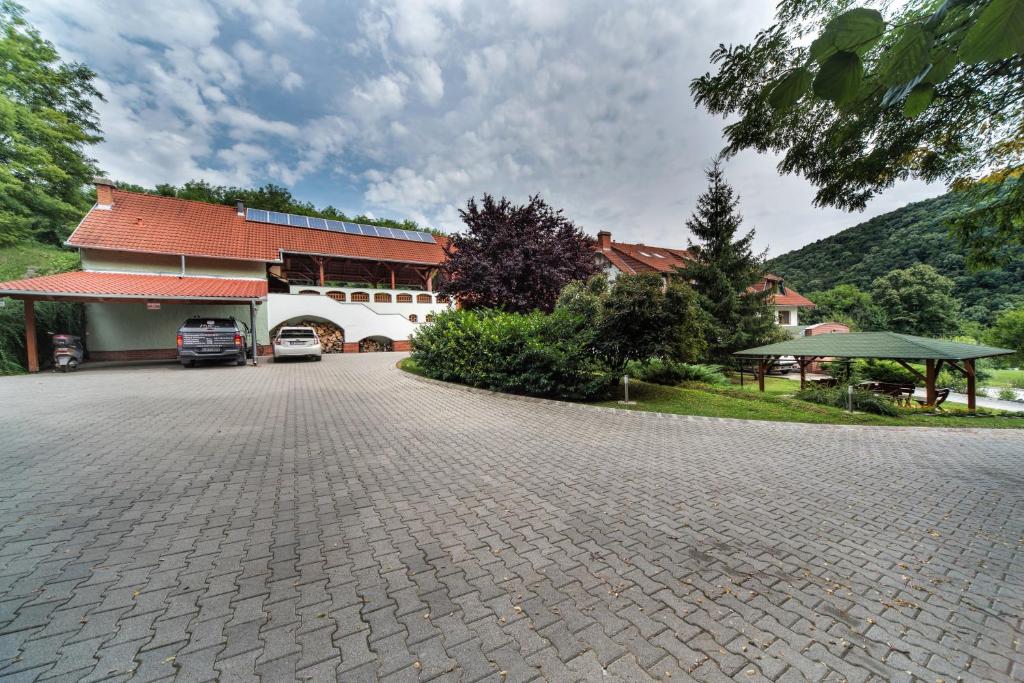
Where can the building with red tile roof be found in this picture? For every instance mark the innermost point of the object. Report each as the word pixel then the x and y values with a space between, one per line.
pixel 622 257
pixel 150 262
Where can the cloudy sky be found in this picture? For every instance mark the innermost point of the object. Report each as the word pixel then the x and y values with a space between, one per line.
pixel 406 108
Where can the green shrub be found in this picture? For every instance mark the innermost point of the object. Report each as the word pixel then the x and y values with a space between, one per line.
pixel 1007 394
pixel 671 373
pixel 534 353
pixel 864 401
pixel 888 371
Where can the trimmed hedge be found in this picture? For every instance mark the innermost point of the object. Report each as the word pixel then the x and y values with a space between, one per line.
pixel 537 354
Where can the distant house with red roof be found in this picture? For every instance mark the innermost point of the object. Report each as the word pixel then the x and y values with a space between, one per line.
pixel 623 257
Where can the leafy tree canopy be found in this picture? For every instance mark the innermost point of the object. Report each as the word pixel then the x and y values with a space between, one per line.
pixel 1008 333
pixel 514 257
pixel 47 122
pixel 723 271
pixel 847 304
pixel 855 101
pixel 899 239
pixel 270 197
pixel 917 300
pixel 638 318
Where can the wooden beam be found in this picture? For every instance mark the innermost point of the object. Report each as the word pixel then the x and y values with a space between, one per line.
pixel 912 370
pixel 972 389
pixel 31 346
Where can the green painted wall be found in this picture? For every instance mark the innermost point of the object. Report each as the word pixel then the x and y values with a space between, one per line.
pixel 101 259
pixel 131 326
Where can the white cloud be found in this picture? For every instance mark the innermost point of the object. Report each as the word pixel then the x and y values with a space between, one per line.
pixel 409 107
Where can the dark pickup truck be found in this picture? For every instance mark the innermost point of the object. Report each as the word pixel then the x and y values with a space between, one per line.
pixel 217 339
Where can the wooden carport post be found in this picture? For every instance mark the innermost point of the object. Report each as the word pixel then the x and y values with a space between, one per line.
pixel 31 346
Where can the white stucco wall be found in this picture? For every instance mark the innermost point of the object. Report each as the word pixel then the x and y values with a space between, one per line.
pixel 358 320
pixel 420 310
pixel 794 315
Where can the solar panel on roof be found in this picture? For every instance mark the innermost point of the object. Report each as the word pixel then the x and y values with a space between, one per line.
pixel 258 215
pixel 299 221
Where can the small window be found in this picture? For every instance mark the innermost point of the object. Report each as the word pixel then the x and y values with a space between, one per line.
pixel 404 299
pixel 657 255
pixel 381 298
pixel 337 296
pixel 429 318
pixel 359 297
pixel 413 318
pixel 644 253
pixel 784 318
pixel 424 299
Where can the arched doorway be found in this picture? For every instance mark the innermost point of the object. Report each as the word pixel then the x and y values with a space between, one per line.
pixel 332 337
pixel 375 344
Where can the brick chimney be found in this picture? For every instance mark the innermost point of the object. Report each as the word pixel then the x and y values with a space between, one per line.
pixel 104 193
pixel 604 240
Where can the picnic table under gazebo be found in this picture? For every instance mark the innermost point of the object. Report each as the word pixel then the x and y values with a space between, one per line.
pixel 901 348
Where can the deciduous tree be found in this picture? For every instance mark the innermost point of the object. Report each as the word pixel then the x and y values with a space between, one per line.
pixel 855 101
pixel 918 300
pixel 47 122
pixel 845 303
pixel 514 257
pixel 1008 333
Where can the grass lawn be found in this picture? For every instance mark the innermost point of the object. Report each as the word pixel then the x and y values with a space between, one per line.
pixel 1005 378
pixel 775 404
pixel 44 259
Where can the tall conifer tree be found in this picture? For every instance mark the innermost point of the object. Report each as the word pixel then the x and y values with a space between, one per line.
pixel 724 270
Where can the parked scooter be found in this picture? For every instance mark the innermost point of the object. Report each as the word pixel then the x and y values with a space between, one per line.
pixel 67 352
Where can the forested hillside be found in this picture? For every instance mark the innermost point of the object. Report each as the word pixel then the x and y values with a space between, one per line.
pixel 916 233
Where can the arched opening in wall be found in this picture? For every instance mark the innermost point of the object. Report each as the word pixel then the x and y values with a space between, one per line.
pixel 424 299
pixel 429 318
pixel 403 298
pixel 309 291
pixel 413 318
pixel 359 297
pixel 441 299
pixel 337 296
pixel 381 298
pixel 332 337
pixel 375 344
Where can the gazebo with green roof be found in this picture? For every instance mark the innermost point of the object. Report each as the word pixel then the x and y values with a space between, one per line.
pixel 901 348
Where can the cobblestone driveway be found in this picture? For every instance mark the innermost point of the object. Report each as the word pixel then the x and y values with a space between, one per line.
pixel 345 521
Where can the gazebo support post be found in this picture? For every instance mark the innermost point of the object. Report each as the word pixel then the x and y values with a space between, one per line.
pixel 929 387
pixel 972 400
pixel 762 367
pixel 31 346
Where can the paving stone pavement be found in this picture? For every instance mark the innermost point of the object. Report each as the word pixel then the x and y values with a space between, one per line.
pixel 345 521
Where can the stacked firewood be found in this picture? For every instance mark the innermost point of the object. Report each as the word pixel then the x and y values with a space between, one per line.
pixel 332 338
pixel 373 345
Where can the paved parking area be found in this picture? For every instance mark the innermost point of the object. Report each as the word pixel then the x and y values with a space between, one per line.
pixel 345 521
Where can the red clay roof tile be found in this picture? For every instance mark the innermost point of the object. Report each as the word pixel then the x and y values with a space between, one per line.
pixel 129 285
pixel 167 225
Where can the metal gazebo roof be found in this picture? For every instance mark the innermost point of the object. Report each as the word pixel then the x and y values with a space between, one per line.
pixel 888 345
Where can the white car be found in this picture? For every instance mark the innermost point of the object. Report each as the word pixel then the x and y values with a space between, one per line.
pixel 297 342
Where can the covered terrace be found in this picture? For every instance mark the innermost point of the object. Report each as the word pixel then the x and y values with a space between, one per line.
pixel 901 348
